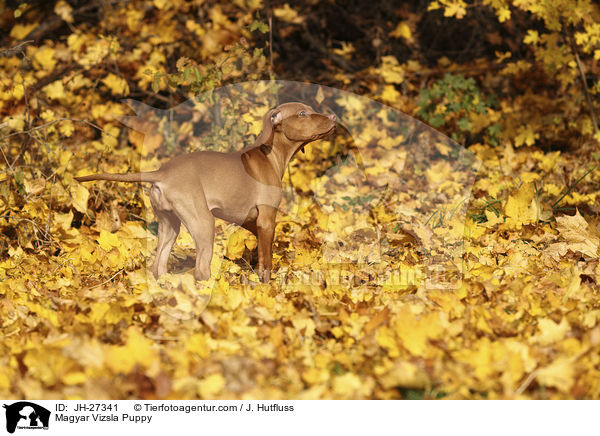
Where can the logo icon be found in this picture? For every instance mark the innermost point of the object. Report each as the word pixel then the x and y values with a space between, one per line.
pixel 26 415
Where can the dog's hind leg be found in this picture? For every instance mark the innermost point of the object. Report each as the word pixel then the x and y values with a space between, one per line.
pixel 200 222
pixel 168 229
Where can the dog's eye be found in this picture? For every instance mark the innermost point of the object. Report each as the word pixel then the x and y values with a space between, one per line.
pixel 302 113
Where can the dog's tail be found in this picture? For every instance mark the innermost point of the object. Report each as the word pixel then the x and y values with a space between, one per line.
pixel 152 176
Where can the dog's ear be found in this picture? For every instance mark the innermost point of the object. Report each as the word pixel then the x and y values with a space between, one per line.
pixel 270 121
pixel 275 117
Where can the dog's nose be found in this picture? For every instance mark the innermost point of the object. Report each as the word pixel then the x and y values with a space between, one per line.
pixel 332 117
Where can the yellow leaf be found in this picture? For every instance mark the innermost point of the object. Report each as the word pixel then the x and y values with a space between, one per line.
pixel 236 244
pixel 390 70
pixel 211 386
pixel 443 148
pixel 402 30
pixel 5 377
pixel 434 5
pixel 45 58
pixel 385 338
pixel 98 311
pixel 195 27
pixel 138 350
pixel 197 344
pixel 108 240
pixel 160 4
pixel 135 18
pixel 480 358
pixel 286 13
pixel 375 168
pixel 16 122
pixel 314 376
pixel 526 136
pixel 66 128
pixel 55 90
pixel 456 8
pixel 337 332
pixel 135 230
pixel 116 84
pixel 503 14
pixel 110 136
pixel 520 208
pixel 346 50
pixel 305 326
pixel 578 234
pixel 438 172
pixel 45 313
pixel 548 161
pixel 390 94
pixel 346 385
pixel 74 378
pixel 551 332
pixel 64 11
pixel 304 257
pixel 532 37
pixel 34 187
pixel 251 243
pixel 95 52
pixel 250 5
pixel 63 220
pixel 20 31
pixel 351 102
pixel 319 96
pixel 44 364
pixel 75 41
pixel 559 374
pixel 415 332
pixel 492 219
pixel 79 195
pixel 405 374
pixel 233 299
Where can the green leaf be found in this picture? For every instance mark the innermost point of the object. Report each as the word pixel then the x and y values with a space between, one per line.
pixel 464 124
pixel 260 26
pixel 156 83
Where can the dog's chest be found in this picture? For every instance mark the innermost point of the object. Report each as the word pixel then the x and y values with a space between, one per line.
pixel 241 202
pixel 237 216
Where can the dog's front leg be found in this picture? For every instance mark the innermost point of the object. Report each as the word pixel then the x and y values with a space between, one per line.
pixel 265 224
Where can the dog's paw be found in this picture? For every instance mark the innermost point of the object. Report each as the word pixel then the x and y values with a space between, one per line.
pixel 200 275
pixel 264 275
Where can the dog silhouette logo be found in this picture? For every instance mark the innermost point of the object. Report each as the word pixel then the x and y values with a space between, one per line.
pixel 26 415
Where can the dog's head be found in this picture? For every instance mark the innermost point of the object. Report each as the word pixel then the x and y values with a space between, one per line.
pixel 298 123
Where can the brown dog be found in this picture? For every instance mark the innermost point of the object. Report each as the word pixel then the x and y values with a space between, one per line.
pixel 242 187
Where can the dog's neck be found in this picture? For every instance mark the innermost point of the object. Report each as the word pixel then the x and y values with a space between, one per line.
pixel 280 153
